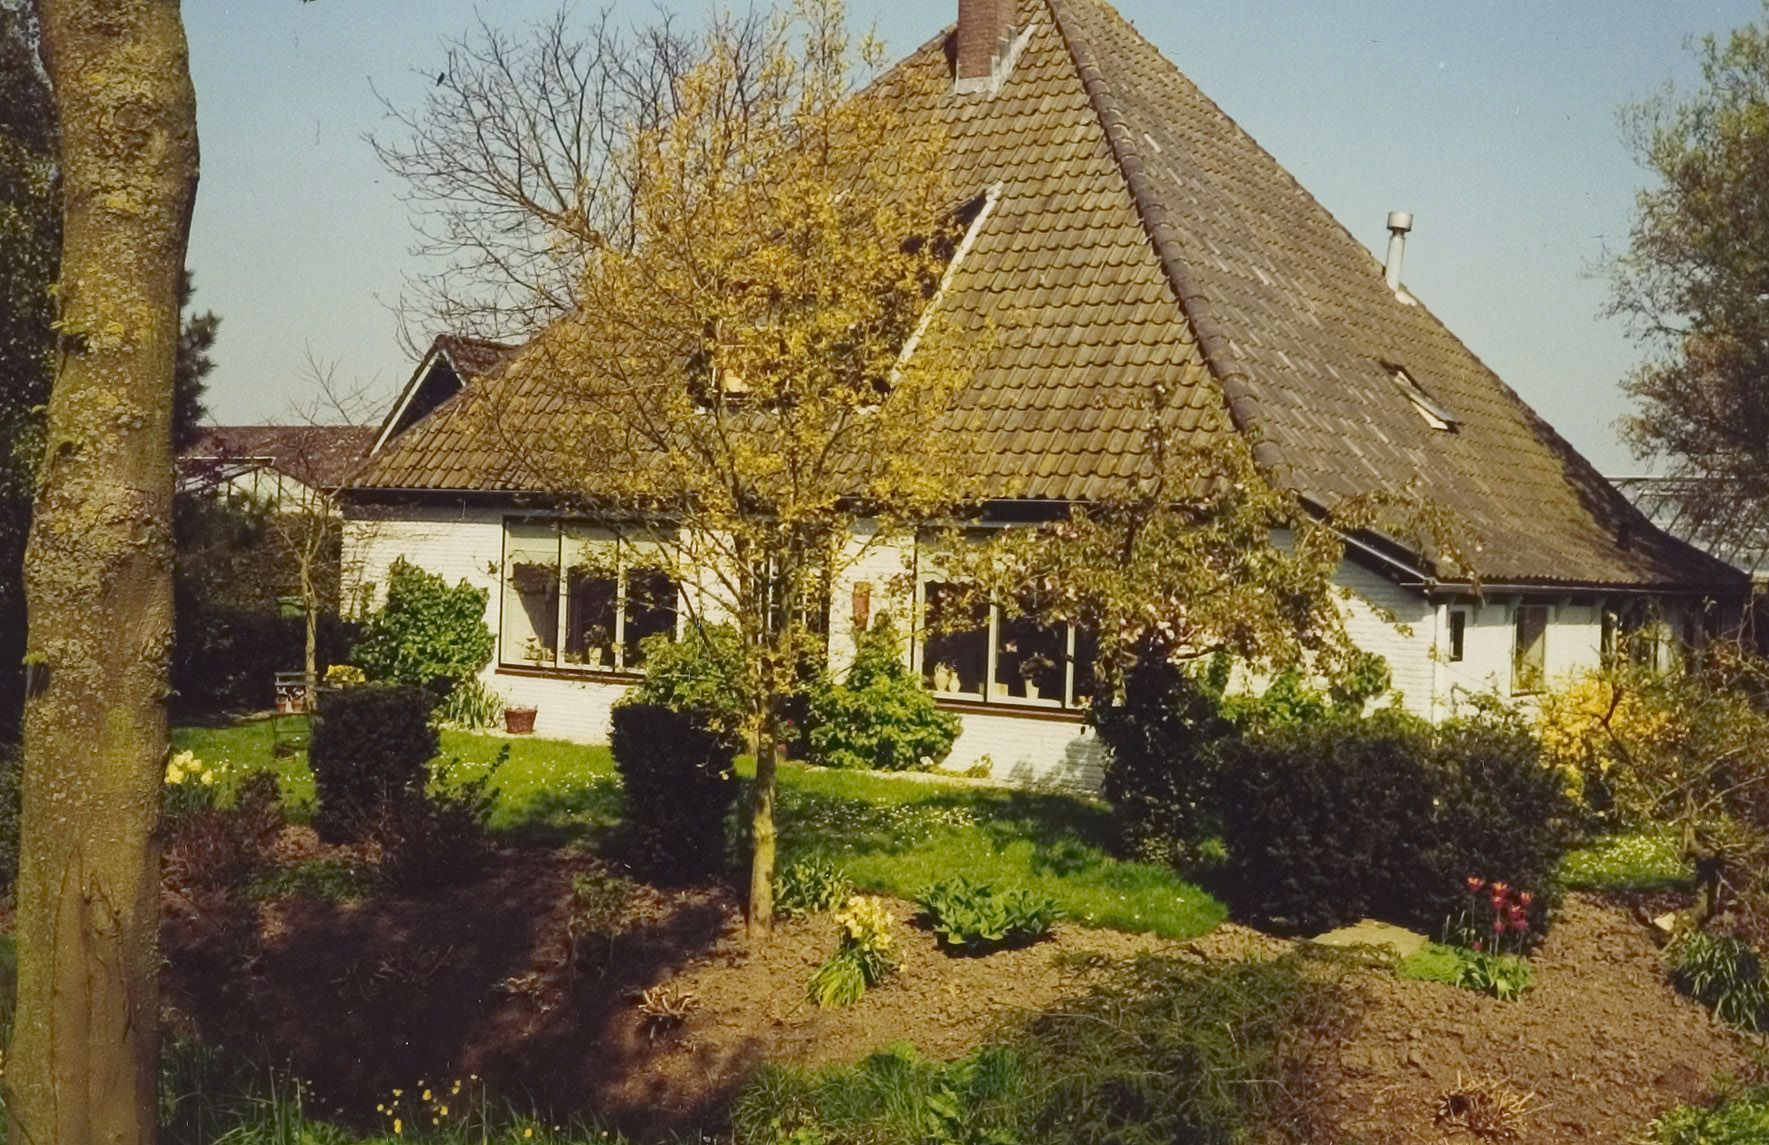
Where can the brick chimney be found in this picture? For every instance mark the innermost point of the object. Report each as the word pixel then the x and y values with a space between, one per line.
pixel 985 32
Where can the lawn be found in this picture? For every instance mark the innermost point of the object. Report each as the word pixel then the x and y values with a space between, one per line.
pixel 1647 861
pixel 893 835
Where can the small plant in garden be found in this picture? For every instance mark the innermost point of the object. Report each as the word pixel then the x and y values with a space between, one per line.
pixel 1739 1115
pixel 344 676
pixel 472 706
pixel 437 832
pixel 600 909
pixel 191 784
pixel 810 885
pixel 865 956
pixel 1492 933
pixel 881 716
pixel 1506 977
pixel 1723 973
pixel 1484 1108
pixel 665 1008
pixel 976 918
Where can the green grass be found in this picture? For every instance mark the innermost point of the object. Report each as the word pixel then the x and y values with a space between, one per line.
pixel 1739 1117
pixel 1433 962
pixel 896 836
pixel 1644 861
pixel 892 835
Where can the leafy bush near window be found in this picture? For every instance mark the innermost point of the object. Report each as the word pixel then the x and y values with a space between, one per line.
pixel 702 672
pixel 865 956
pixel 881 716
pixel 1164 740
pixel 1723 973
pixel 1739 1115
pixel 368 746
pixel 975 918
pixel 427 633
pixel 1330 821
pixel 676 769
pixel 810 885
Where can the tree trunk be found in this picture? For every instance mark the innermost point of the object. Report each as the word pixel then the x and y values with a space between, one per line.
pixel 310 613
pixel 759 921
pixel 84 1055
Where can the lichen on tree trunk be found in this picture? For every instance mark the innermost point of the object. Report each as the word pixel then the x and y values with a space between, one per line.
pixel 83 1060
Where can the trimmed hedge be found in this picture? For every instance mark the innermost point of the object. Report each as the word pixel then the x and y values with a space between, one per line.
pixel 369 745
pixel 677 770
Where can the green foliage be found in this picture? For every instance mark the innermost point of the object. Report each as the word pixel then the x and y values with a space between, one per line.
pixel 1433 962
pixel 702 672
pixel 426 632
pixel 893 1097
pixel 599 910
pixel 325 879
pixel 1723 973
pixel 1330 821
pixel 1739 1115
pixel 1641 861
pixel 810 885
pixel 471 706
pixel 864 957
pixel 11 791
pixel 677 771
pixel 368 749
pixel 1505 976
pixel 438 834
pixel 975 918
pixel 1164 740
pixel 881 716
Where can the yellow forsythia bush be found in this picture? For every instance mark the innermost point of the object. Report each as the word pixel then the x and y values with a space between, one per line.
pixel 1599 721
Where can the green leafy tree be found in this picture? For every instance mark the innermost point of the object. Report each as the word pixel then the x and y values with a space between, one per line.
pixel 1693 283
pixel 426 631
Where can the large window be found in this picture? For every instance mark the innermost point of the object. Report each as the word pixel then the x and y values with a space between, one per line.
pixel 583 597
pixel 979 652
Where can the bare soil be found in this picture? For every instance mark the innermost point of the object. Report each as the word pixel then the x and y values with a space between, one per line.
pixel 475 978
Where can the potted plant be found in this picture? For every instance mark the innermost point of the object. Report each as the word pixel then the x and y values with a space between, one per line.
pixel 519 720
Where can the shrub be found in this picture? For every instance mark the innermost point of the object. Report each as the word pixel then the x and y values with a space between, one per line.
pixel 880 716
pixel 865 955
pixel 1738 1116
pixel 677 771
pixel 975 918
pixel 1164 741
pixel 436 834
pixel 599 909
pixel 1325 822
pixel 368 747
pixel 1506 977
pixel 1330 821
pixel 426 632
pixel 702 672
pixel 1723 973
pixel 810 885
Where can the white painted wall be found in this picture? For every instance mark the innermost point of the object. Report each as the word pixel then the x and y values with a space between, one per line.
pixel 1401 625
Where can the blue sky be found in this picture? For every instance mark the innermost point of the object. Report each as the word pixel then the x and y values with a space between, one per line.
pixel 1494 123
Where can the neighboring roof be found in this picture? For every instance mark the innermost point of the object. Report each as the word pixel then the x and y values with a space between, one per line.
pixel 448 366
pixel 319 456
pixel 1705 512
pixel 1142 237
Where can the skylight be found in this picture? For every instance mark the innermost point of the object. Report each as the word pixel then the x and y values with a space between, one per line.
pixel 1435 414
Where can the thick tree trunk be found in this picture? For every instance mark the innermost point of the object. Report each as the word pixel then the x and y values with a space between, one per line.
pixel 83 1060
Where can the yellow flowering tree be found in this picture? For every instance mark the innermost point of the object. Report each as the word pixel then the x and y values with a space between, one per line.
pixel 755 376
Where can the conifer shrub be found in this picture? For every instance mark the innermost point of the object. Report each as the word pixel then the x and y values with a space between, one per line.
pixel 369 745
pixel 676 768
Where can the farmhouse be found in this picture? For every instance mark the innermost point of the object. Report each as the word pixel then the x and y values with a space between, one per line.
pixel 1137 236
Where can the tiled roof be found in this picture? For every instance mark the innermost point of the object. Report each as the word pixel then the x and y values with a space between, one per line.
pixel 320 456
pixel 474 357
pixel 1142 237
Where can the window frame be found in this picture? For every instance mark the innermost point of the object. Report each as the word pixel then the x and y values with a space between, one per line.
pixel 1456 634
pixel 623 566
pixel 1070 703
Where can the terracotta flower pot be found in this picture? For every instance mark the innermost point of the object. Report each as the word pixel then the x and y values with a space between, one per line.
pixel 519 721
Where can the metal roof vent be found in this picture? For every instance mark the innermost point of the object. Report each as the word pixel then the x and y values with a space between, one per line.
pixel 1400 223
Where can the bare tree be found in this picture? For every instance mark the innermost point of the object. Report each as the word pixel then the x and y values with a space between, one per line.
pixel 98 581
pixel 517 164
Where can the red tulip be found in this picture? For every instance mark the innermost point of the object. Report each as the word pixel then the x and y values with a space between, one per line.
pixel 1524 898
pixel 1500 890
pixel 1475 885
pixel 1498 926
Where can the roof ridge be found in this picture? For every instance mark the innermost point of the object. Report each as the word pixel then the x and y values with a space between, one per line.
pixel 1219 355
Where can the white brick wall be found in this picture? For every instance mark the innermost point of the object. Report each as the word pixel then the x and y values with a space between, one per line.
pixel 467 543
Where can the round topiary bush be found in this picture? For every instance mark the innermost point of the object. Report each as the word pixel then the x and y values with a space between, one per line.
pixel 880 716
pixel 369 744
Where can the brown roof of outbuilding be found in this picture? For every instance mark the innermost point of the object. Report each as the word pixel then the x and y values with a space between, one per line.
pixel 320 456
pixel 1141 237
